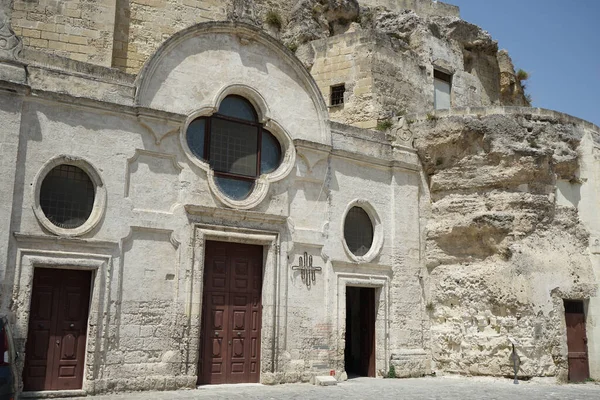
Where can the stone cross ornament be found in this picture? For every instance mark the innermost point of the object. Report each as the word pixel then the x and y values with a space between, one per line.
pixel 308 272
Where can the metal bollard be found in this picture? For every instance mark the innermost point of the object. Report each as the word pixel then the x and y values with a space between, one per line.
pixel 515 358
pixel 516 362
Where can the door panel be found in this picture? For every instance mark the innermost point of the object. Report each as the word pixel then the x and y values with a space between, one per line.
pixel 230 338
pixel 71 332
pixel 576 341
pixel 55 349
pixel 44 299
pixel 216 335
pixel 238 369
pixel 368 311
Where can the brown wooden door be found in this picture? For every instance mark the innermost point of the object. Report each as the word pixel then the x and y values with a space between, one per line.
pixel 579 369
pixel 55 349
pixel 231 316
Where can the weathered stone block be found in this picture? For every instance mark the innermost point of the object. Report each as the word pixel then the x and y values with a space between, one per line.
pixel 411 363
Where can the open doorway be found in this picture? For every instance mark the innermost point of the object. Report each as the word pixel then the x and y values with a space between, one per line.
pixel 359 353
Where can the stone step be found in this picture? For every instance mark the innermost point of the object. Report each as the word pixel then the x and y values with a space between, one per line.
pixel 325 380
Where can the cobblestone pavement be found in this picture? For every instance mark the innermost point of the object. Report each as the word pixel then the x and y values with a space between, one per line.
pixel 381 389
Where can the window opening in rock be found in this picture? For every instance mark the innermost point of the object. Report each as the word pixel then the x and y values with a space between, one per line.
pixel 337 94
pixel 67 196
pixel 358 231
pixel 442 83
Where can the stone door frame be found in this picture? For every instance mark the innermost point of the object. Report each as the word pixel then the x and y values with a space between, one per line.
pixel 57 279
pixel 27 261
pixel 270 241
pixel 381 285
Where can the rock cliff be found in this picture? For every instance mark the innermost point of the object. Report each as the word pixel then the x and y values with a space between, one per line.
pixel 494 229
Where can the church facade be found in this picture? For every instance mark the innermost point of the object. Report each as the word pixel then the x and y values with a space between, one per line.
pixel 238 210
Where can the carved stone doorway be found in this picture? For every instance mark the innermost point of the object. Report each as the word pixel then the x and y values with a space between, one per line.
pixel 359 352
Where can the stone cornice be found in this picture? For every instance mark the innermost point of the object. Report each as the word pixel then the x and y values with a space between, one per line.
pixel 235 215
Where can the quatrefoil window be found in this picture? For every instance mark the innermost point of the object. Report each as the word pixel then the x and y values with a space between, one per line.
pixel 236 146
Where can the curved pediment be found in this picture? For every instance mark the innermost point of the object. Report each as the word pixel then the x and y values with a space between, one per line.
pixel 193 67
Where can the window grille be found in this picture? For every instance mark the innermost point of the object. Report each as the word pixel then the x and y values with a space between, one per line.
pixel 574 307
pixel 236 146
pixel 233 147
pixel 337 94
pixel 358 231
pixel 442 76
pixel 67 196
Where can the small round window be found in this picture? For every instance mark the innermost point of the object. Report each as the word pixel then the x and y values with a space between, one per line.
pixel 236 146
pixel 67 196
pixel 358 231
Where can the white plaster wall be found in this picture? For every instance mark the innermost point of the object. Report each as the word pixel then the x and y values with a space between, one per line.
pixel 586 197
pixel 190 75
pixel 406 290
pixel 149 297
pixel 10 110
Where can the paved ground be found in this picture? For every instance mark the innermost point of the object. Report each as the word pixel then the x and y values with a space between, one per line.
pixel 381 389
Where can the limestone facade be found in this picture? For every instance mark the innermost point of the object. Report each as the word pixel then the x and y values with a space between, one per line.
pixel 483 216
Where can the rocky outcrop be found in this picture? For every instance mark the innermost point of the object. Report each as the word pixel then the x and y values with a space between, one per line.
pixel 512 92
pixel 500 252
pixel 318 19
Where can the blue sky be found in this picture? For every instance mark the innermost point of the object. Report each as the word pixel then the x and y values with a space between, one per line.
pixel 556 41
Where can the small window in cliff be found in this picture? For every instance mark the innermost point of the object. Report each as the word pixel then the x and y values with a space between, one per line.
pixel 442 83
pixel 337 94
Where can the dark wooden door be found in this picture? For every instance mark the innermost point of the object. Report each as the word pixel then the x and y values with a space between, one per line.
pixel 55 349
pixel 231 315
pixel 368 330
pixel 579 369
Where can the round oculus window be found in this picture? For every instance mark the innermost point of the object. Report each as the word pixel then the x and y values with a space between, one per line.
pixel 358 231
pixel 67 196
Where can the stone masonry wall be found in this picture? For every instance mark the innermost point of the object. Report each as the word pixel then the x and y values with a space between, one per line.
pixel 387 69
pixel 347 59
pixel 143 25
pixel 80 30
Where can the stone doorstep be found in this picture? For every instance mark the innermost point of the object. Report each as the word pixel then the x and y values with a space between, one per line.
pixel 52 394
pixel 325 380
pixel 228 385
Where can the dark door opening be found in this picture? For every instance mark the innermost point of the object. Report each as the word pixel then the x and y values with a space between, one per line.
pixel 579 369
pixel 56 339
pixel 231 314
pixel 359 353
